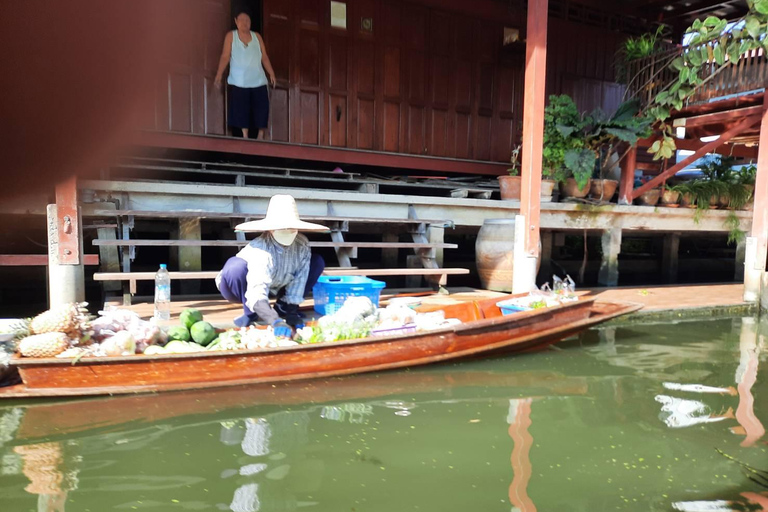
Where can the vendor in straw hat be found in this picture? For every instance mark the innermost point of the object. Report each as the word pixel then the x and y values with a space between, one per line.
pixel 279 262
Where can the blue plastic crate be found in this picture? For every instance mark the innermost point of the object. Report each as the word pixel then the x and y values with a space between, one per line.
pixel 509 307
pixel 330 292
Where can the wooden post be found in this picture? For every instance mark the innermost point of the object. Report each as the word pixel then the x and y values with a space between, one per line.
pixel 609 267
pixel 546 255
pixel 190 258
pixel 669 257
pixel 534 97
pixel 66 274
pixel 628 177
pixel 436 235
pixel 757 242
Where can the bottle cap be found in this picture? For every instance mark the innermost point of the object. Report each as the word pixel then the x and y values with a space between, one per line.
pixel 162 265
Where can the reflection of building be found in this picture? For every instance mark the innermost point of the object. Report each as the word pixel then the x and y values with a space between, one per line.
pixel 519 419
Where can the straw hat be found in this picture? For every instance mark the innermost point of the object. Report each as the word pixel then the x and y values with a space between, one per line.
pixel 281 214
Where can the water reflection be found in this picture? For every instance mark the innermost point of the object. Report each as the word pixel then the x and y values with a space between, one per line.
pixel 488 435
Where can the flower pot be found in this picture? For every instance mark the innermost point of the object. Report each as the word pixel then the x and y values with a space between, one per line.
pixel 547 187
pixel 570 189
pixel 687 200
pixel 603 190
pixel 494 254
pixel 669 198
pixel 649 197
pixel 714 202
pixel 724 201
pixel 509 187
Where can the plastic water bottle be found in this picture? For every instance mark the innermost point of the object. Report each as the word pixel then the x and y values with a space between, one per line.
pixel 162 294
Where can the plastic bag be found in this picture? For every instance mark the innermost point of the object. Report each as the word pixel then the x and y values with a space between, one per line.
pixel 112 321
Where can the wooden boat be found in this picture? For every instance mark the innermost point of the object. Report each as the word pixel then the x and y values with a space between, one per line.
pixel 484 330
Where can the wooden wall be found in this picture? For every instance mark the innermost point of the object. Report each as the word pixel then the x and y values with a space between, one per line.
pixel 431 78
pixel 423 81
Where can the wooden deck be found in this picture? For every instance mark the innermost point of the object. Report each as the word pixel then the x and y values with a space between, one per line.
pixel 662 302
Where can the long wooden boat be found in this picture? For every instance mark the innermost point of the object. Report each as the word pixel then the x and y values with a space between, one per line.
pixel 484 330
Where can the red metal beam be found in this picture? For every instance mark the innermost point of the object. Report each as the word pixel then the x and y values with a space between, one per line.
pixel 718 117
pixel 737 150
pixel 760 210
pixel 534 97
pixel 706 148
pixel 318 153
pixel 628 177
pixel 68 222
pixel 38 260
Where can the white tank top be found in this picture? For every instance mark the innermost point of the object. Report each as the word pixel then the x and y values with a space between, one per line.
pixel 245 69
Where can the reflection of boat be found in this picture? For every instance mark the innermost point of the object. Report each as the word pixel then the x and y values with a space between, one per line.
pixel 484 330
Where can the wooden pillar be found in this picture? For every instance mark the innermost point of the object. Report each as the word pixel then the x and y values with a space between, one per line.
pixel 757 242
pixel 534 96
pixel 609 267
pixel 66 279
pixel 545 271
pixel 628 177
pixel 436 235
pixel 669 257
pixel 190 258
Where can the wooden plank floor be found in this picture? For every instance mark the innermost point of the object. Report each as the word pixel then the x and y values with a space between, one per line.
pixel 680 299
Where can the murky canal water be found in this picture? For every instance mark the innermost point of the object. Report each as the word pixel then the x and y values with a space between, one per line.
pixel 619 419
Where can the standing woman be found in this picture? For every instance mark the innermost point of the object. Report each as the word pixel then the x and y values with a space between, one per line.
pixel 246 55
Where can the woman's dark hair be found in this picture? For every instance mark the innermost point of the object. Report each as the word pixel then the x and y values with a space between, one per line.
pixel 242 11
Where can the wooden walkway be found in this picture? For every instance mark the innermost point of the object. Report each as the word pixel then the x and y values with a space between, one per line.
pixel 660 302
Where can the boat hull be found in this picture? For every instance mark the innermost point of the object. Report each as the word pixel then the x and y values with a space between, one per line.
pixel 172 372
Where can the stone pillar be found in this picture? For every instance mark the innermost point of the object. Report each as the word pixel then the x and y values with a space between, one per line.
pixel 66 283
pixel 609 267
pixel 190 258
pixel 753 274
pixel 669 258
pixel 741 252
pixel 525 266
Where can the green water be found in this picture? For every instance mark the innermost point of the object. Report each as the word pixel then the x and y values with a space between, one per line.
pixel 587 426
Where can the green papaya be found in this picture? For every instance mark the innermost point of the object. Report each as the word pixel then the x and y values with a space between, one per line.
pixel 190 317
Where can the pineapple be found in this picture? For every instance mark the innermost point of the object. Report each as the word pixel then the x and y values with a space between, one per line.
pixel 49 344
pixel 70 319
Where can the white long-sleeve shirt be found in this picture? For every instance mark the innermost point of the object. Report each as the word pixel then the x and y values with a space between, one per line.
pixel 272 266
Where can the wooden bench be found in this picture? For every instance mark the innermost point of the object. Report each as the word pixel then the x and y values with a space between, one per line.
pixel 38 260
pixel 133 277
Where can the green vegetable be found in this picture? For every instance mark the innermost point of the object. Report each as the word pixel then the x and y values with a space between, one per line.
pixel 203 333
pixel 190 317
pixel 178 333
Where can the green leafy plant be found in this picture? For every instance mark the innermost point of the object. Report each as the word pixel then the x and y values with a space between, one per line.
pixel 601 137
pixel 638 47
pixel 747 175
pixel 561 123
pixel 515 161
pixel 710 44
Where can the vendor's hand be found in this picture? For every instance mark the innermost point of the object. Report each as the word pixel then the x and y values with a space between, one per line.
pixel 244 320
pixel 217 82
pixel 272 80
pixel 282 329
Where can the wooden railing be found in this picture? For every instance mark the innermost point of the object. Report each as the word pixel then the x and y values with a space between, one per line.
pixel 651 75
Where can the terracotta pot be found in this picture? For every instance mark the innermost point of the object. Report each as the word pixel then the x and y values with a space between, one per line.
pixel 649 197
pixel 547 187
pixel 714 202
pixel 724 201
pixel 571 189
pixel 494 254
pixel 670 198
pixel 687 200
pixel 603 190
pixel 509 186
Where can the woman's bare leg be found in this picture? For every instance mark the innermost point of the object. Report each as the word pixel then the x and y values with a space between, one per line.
pixel 245 133
pixel 262 133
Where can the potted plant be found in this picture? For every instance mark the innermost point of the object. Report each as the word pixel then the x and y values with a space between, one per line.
pixel 649 197
pixel 509 184
pixel 669 196
pixel 562 123
pixel 593 144
pixel 746 177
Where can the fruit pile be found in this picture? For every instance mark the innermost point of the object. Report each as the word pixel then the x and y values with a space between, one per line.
pixel 192 335
pixel 52 332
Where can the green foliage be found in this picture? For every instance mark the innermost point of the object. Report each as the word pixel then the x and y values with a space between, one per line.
pixel 709 45
pixel 637 47
pixel 515 161
pixel 561 121
pixel 747 175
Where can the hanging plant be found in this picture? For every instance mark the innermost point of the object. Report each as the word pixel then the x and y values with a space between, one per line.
pixel 711 43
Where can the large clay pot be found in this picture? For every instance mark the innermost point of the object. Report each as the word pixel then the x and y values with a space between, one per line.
pixel 571 189
pixel 494 254
pixel 603 190
pixel 547 187
pixel 687 200
pixel 670 198
pixel 509 187
pixel 649 197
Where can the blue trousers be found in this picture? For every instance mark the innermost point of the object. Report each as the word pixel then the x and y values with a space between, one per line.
pixel 233 284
